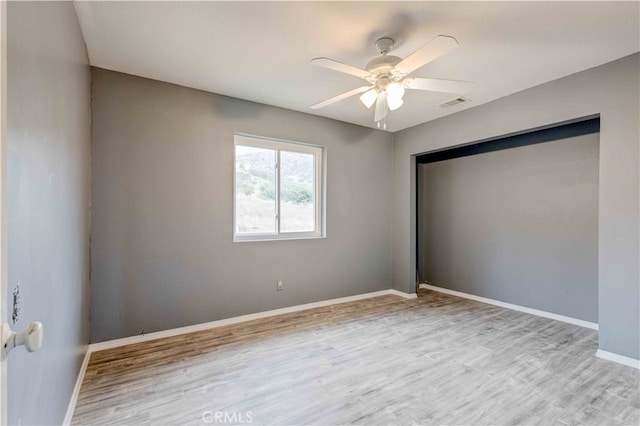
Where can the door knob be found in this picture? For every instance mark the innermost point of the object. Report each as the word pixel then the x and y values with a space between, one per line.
pixel 31 338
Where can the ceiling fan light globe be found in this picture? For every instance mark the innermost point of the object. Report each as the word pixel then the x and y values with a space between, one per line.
pixel 368 98
pixel 395 90
pixel 394 102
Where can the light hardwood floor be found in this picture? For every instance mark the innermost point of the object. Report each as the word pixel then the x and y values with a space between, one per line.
pixel 437 359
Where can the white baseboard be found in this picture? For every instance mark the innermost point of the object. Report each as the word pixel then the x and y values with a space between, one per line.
pixel 550 315
pixel 228 321
pixel 620 359
pixel 76 389
pixel 403 294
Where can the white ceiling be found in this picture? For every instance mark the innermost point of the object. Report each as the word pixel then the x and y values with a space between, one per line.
pixel 261 51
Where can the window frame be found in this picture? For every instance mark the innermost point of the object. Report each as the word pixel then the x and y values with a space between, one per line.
pixel 279 145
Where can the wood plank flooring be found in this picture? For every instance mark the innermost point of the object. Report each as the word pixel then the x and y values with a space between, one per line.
pixel 437 359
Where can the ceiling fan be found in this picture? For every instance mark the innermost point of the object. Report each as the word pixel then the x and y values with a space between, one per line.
pixel 387 76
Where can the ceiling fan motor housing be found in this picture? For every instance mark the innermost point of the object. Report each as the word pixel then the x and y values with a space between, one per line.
pixel 382 65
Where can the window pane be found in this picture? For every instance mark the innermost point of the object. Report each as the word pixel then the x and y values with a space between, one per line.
pixel 255 190
pixel 297 192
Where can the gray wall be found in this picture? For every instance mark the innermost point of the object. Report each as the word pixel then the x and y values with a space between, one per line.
pixel 611 90
pixel 518 225
pixel 48 195
pixel 162 254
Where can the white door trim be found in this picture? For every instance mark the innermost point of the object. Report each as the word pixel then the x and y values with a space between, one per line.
pixel 76 389
pixel 3 204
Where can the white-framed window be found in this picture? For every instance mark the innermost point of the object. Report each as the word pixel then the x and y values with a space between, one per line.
pixel 278 189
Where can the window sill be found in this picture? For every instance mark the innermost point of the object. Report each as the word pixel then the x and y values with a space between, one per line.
pixel 254 239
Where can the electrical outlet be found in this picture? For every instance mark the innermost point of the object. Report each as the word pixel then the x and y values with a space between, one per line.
pixel 280 286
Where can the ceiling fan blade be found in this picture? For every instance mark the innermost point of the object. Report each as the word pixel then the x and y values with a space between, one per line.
pixel 341 97
pixel 438 85
pixel 382 108
pixel 339 66
pixel 427 53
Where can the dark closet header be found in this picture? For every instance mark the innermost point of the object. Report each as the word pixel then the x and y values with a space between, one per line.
pixel 530 137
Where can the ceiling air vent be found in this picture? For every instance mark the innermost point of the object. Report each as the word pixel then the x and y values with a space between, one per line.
pixel 453 102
